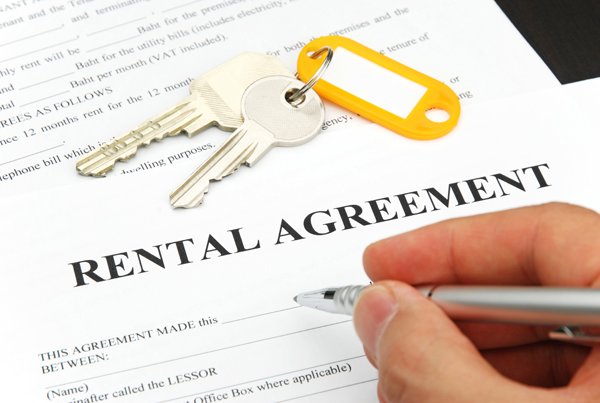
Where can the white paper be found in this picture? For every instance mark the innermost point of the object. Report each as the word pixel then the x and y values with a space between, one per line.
pixel 252 332
pixel 74 74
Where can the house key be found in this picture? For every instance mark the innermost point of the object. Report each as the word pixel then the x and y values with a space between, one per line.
pixel 269 120
pixel 214 101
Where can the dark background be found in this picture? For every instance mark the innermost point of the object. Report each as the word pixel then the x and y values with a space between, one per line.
pixel 565 33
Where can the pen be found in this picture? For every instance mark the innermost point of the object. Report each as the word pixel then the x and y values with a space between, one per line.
pixel 568 308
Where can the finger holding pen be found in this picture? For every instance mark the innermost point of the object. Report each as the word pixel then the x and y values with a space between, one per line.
pixel 551 244
pixel 422 354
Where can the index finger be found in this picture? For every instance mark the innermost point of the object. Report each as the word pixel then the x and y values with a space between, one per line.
pixel 553 244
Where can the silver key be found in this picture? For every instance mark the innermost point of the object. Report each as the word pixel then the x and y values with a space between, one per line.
pixel 215 100
pixel 269 120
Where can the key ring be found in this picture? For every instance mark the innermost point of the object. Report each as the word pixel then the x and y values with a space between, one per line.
pixel 297 97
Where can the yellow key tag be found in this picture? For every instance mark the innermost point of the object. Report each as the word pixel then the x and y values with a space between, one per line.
pixel 379 88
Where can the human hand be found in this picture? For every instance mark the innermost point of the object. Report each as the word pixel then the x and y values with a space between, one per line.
pixel 422 356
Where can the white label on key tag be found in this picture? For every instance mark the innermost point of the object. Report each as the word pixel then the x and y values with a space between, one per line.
pixel 373 83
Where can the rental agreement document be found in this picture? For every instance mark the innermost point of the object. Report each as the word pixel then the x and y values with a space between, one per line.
pixel 109 295
pixel 74 74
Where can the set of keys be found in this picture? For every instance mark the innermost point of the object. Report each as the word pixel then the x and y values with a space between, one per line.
pixel 248 95
pixel 258 98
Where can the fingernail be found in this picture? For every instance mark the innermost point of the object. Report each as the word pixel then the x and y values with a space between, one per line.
pixel 374 308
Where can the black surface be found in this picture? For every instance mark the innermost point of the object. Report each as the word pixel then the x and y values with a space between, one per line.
pixel 565 33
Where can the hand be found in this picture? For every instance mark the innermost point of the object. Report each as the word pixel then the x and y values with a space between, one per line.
pixel 423 356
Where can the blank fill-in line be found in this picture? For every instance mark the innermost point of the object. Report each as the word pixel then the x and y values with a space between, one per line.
pixel 110 44
pixel 39 50
pixel 31 36
pixel 39 152
pixel 116 26
pixel 325 391
pixel 38 100
pixel 183 5
pixel 45 81
pixel 203 353
pixel 262 314
pixel 267 377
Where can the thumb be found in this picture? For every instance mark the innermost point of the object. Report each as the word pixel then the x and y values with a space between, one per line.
pixel 420 353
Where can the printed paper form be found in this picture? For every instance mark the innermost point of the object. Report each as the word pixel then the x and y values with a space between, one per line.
pixel 198 303
pixel 74 74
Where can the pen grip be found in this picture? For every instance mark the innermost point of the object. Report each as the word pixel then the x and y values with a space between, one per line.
pixel 345 298
pixel 528 305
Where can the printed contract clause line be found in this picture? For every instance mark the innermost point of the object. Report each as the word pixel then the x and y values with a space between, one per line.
pixel 45 81
pixel 31 36
pixel 38 100
pixel 269 377
pixel 39 152
pixel 325 391
pixel 116 26
pixel 39 50
pixel 199 354
pixel 183 5
pixel 113 43
pixel 262 314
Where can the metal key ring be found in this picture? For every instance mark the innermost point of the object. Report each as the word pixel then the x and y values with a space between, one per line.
pixel 297 97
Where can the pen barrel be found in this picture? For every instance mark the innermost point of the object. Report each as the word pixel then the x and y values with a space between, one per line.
pixel 528 305
pixel 345 298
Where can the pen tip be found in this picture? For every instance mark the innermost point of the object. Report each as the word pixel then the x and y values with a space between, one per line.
pixel 296 299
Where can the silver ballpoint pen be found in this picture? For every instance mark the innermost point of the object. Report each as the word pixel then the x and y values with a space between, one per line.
pixel 568 308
